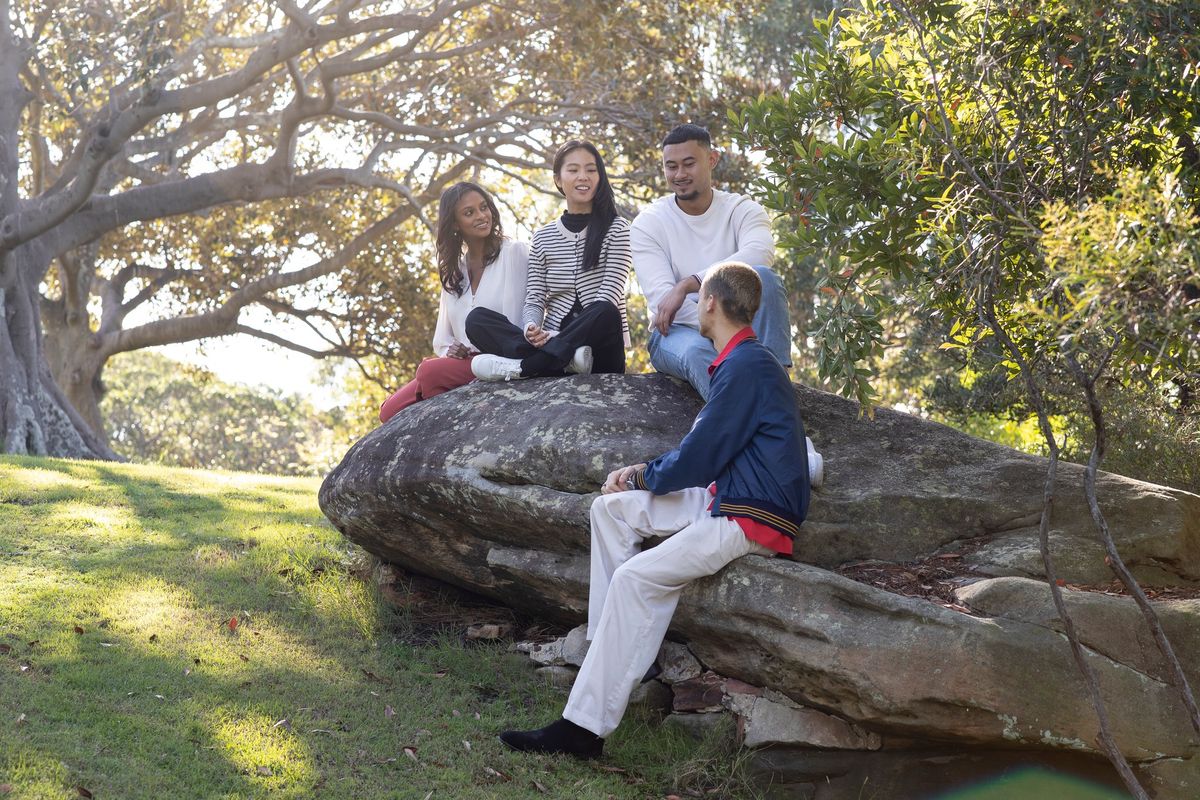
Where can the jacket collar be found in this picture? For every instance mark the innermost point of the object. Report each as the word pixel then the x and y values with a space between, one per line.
pixel 739 337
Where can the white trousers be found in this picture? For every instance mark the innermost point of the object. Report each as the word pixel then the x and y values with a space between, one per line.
pixel 633 594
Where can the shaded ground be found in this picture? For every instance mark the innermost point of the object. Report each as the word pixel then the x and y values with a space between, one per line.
pixel 174 632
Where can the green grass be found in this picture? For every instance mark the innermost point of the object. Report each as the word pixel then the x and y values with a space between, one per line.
pixel 119 672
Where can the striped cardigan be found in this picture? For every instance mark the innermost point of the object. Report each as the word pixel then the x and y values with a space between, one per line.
pixel 556 276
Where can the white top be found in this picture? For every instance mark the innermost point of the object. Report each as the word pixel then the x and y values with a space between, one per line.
pixel 501 288
pixel 557 279
pixel 669 245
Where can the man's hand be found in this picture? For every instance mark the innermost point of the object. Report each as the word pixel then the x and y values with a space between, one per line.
pixel 669 306
pixel 536 335
pixel 618 480
pixel 458 350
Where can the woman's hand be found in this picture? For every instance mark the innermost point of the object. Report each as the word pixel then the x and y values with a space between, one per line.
pixel 458 350
pixel 536 335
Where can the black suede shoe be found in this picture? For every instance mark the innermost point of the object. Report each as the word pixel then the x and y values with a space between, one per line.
pixel 562 736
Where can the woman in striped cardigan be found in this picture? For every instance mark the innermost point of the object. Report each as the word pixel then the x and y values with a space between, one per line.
pixel 574 316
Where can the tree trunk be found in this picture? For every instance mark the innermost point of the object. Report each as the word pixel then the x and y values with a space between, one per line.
pixel 35 416
pixel 70 345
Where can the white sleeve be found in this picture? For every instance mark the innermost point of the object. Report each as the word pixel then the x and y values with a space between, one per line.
pixel 650 262
pixel 443 337
pixel 755 242
pixel 516 271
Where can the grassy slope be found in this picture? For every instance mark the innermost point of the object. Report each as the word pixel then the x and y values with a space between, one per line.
pixel 157 697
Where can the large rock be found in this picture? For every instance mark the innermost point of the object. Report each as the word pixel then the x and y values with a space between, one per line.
pixel 488 487
pixel 517 464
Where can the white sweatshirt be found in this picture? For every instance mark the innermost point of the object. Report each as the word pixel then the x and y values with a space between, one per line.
pixel 501 288
pixel 669 245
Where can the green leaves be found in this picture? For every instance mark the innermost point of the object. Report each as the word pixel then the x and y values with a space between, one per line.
pixel 959 161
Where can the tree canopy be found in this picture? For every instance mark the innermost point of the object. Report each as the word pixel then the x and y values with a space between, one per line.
pixel 176 171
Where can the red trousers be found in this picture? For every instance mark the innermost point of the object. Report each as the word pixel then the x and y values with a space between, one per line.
pixel 434 376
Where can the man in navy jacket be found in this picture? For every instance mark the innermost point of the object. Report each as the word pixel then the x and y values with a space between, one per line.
pixel 736 485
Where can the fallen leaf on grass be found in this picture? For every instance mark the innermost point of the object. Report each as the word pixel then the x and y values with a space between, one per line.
pixel 243 657
pixel 389 712
pixel 233 623
pixel 441 673
pixel 20 719
pixel 428 795
pixel 78 631
pixel 5 788
pixel 411 752
pixel 153 637
pixel 539 787
pixel 187 671
pixel 284 723
pixel 108 644
pixel 5 650
pixel 493 773
pixel 25 667
pixel 265 771
pixel 83 792
pixel 466 744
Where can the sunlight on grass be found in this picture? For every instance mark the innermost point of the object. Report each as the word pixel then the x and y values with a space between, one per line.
pixel 148 606
pixel 268 753
pixel 117 586
pixel 13 477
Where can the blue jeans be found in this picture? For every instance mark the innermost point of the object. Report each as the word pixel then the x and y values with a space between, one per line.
pixel 684 353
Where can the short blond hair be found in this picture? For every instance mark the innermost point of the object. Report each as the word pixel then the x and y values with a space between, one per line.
pixel 737 288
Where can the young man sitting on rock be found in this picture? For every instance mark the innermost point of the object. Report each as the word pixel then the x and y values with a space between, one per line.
pixel 677 238
pixel 736 485
pixel 674 240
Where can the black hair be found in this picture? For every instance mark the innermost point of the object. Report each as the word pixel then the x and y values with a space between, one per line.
pixel 450 239
pixel 687 132
pixel 604 205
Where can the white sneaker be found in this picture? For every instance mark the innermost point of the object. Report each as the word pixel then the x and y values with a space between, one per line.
pixel 816 464
pixel 581 362
pixel 488 367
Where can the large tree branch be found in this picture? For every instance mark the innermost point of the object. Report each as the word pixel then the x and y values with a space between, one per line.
pixel 224 319
pixel 116 125
pixel 333 352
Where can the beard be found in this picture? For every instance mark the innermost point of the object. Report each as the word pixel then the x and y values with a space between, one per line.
pixel 688 197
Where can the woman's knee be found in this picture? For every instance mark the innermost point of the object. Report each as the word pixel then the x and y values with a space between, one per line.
pixel 425 370
pixel 607 310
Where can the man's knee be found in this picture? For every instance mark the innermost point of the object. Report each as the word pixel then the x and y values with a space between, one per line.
pixel 769 278
pixel 605 508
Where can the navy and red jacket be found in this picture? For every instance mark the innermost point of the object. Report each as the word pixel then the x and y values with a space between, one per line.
pixel 748 438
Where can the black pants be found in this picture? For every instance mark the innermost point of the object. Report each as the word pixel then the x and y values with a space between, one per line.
pixel 598 326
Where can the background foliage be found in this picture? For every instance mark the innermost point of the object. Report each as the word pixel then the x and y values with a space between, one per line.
pixel 1015 184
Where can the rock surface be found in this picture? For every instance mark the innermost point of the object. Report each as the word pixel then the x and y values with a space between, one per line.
pixel 488 487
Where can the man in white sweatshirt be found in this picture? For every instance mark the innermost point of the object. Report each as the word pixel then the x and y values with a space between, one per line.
pixel 678 237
